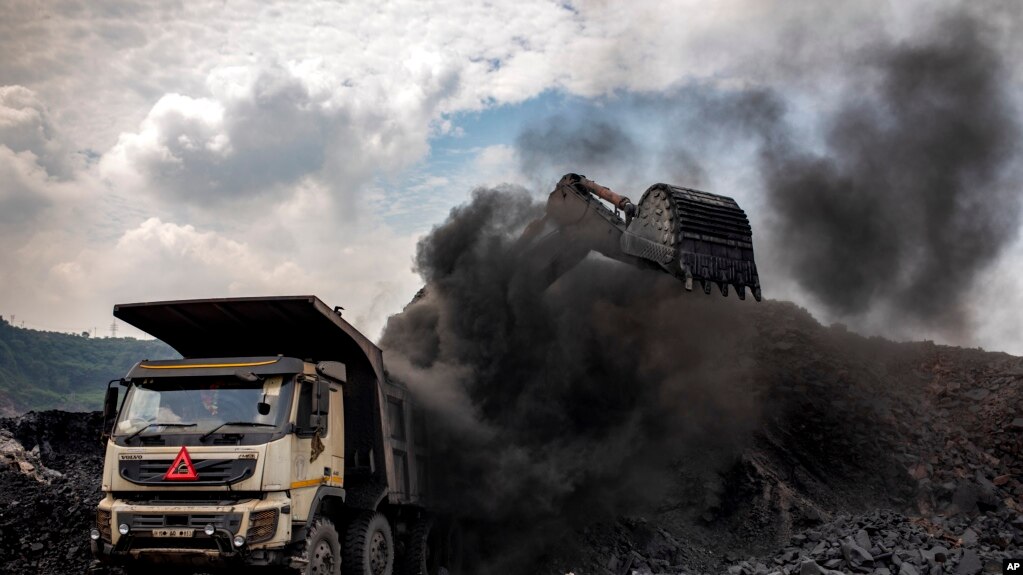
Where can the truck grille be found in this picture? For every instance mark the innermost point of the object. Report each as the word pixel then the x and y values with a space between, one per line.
pixel 190 498
pixel 210 471
pixel 262 525
pixel 149 521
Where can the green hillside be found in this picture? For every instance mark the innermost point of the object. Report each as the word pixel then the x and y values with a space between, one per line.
pixel 50 370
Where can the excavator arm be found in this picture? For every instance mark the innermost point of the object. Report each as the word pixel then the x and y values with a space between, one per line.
pixel 696 236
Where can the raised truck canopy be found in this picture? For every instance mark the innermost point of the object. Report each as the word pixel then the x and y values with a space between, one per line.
pixel 292 326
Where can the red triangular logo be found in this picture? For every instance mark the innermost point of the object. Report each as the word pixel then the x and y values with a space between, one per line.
pixel 182 468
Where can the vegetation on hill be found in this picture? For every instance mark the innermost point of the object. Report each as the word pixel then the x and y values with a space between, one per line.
pixel 50 370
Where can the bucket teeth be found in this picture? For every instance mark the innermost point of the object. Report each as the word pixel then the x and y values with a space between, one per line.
pixel 740 290
pixel 706 286
pixel 724 288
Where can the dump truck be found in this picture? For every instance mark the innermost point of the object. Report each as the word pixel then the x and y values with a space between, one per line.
pixel 278 440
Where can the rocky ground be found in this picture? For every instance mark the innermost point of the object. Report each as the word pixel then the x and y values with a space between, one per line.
pixel 50 466
pixel 869 457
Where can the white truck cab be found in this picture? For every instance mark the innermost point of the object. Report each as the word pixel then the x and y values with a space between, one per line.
pixel 276 441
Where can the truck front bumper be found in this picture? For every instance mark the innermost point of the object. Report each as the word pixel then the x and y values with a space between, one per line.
pixel 254 532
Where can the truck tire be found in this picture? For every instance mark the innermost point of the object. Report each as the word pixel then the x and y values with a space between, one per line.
pixel 369 545
pixel 422 554
pixel 451 557
pixel 322 549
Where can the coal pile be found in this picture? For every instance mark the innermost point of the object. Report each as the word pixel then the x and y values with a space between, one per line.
pixel 871 457
pixel 887 542
pixel 51 464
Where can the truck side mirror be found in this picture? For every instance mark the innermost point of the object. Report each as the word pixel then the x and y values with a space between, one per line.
pixel 313 406
pixel 333 369
pixel 110 403
pixel 109 409
pixel 321 397
pixel 315 422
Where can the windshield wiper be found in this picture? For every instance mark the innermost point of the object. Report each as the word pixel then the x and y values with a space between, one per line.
pixel 157 423
pixel 241 423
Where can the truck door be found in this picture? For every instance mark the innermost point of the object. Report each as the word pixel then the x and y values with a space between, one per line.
pixel 312 462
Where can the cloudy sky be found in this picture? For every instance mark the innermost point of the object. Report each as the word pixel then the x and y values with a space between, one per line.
pixel 157 150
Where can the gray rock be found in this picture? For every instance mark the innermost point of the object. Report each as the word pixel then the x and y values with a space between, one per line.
pixel 907 569
pixel 965 497
pixel 810 568
pixel 862 539
pixel 937 554
pixel 970 564
pixel 977 394
pixel 858 558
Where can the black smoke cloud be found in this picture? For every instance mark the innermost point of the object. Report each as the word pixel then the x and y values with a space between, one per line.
pixel 910 199
pixel 562 405
pixel 893 206
pixel 562 144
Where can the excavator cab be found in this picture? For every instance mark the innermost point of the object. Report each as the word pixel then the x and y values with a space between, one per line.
pixel 698 237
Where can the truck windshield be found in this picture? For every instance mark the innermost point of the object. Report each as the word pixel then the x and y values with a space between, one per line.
pixel 206 402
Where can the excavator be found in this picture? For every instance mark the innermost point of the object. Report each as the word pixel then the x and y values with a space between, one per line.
pixel 700 238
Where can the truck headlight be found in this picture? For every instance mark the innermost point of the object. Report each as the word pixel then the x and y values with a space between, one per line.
pixel 94 535
pixel 123 529
pixel 239 541
pixel 209 529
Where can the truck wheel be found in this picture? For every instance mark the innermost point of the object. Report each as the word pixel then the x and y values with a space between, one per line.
pixel 322 548
pixel 452 549
pixel 422 556
pixel 369 546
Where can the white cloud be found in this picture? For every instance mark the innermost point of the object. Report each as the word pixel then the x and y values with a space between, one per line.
pixel 25 126
pixel 253 147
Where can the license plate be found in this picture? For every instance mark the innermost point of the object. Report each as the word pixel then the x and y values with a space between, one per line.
pixel 173 532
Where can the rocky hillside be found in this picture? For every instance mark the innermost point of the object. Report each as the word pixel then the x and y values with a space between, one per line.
pixel 50 370
pixel 869 457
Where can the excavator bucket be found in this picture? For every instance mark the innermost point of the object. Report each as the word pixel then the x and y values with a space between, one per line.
pixel 698 237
